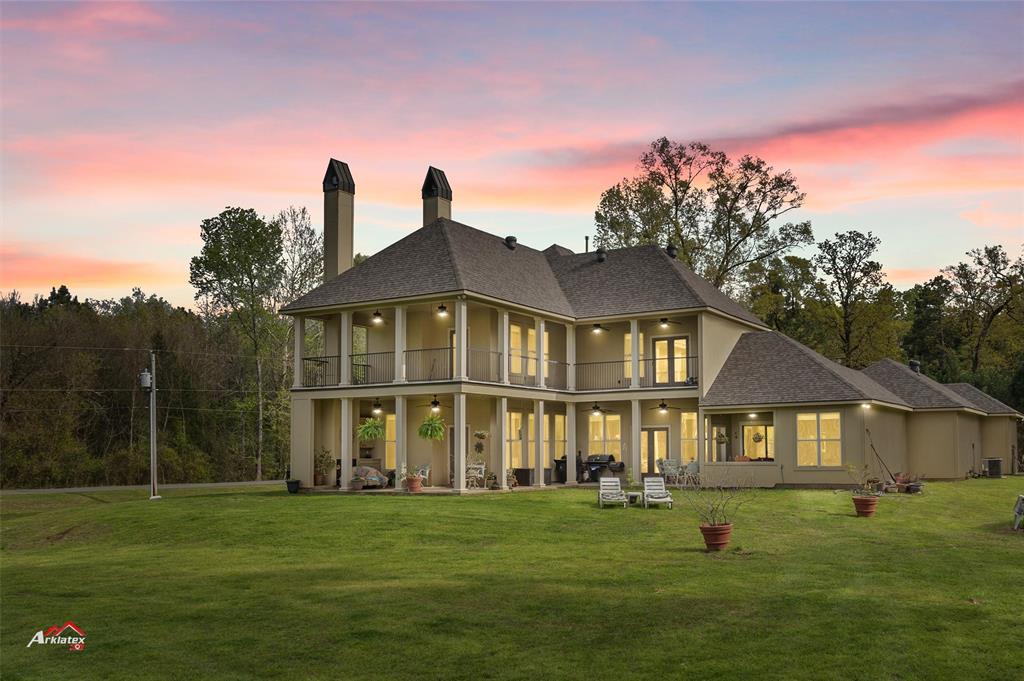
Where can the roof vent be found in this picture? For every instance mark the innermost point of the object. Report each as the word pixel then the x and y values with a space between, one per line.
pixel 672 251
pixel 915 366
pixel 510 242
pixel 602 255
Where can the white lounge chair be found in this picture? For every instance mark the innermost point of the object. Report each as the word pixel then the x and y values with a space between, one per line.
pixel 611 493
pixel 655 492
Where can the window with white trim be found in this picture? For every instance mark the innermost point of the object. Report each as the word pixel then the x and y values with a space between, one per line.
pixel 819 439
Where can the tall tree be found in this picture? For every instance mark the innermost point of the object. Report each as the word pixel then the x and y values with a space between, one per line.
pixel 239 271
pixel 988 285
pixel 853 280
pixel 933 335
pixel 723 214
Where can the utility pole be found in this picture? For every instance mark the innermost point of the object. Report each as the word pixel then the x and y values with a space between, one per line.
pixel 147 379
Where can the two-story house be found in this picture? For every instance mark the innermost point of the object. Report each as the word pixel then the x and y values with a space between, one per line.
pixel 530 356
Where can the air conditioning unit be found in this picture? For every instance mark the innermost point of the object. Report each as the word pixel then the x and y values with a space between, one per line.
pixel 993 468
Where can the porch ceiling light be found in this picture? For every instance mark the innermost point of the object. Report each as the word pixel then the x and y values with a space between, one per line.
pixel 442 311
pixel 597 329
pixel 378 318
pixel 435 406
pixel 663 322
pixel 753 416
pixel 663 408
pixel 865 406
pixel 377 408
pixel 597 409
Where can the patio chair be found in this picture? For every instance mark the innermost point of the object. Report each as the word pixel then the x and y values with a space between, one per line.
pixel 671 470
pixel 655 492
pixel 476 474
pixel 611 493
pixel 690 475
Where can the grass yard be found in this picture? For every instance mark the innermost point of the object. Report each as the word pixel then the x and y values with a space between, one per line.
pixel 247 583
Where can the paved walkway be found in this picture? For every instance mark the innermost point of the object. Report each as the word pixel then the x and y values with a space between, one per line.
pixel 115 488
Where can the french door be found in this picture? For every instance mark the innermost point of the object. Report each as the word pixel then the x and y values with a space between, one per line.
pixel 670 360
pixel 653 446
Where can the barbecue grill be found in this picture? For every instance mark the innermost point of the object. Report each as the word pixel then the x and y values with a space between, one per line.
pixel 599 464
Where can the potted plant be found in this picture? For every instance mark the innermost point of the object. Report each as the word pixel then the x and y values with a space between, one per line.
pixel 370 430
pixel 432 428
pixel 716 504
pixel 491 481
pixel 413 480
pixel 357 482
pixel 321 464
pixel 865 496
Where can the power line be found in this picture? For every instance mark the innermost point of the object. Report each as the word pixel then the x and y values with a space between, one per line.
pixel 125 349
pixel 125 390
pixel 172 408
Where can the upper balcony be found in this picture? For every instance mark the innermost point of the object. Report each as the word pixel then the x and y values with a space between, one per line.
pixel 420 343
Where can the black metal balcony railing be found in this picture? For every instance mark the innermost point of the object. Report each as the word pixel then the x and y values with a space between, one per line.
pixel 668 371
pixel 373 367
pixel 319 372
pixel 430 364
pixel 484 365
pixel 555 374
pixel 601 375
pixel 522 370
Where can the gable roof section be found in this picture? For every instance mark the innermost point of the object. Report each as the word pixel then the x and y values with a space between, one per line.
pixel 916 389
pixel 982 400
pixel 766 367
pixel 447 256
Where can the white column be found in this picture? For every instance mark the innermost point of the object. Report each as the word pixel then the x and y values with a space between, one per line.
pixel 346 438
pixel 503 346
pixel 400 344
pixel 401 439
pixel 538 325
pixel 570 443
pixel 299 326
pixel 461 337
pixel 634 440
pixel 634 349
pixel 345 348
pixel 570 356
pixel 459 474
pixel 702 446
pixel 502 403
pixel 539 441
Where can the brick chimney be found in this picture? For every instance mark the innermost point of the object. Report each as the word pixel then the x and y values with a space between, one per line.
pixel 437 196
pixel 339 206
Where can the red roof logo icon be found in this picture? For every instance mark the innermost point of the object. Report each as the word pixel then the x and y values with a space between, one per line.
pixel 61 628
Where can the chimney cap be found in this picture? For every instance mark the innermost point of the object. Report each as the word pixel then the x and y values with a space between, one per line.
pixel 672 251
pixel 338 177
pixel 602 254
pixel 915 366
pixel 436 184
pixel 510 242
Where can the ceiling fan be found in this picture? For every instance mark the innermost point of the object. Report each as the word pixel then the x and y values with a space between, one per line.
pixel 596 410
pixel 434 404
pixel 664 407
pixel 665 322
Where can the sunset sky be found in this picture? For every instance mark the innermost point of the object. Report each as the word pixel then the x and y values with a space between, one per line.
pixel 124 125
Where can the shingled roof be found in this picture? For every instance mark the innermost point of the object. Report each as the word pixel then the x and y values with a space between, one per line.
pixel 916 389
pixel 766 367
pixel 982 400
pixel 447 256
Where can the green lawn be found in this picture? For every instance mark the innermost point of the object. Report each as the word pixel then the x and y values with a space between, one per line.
pixel 246 583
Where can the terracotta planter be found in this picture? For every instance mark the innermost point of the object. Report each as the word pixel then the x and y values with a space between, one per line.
pixel 356 486
pixel 716 537
pixel 319 479
pixel 865 506
pixel 414 484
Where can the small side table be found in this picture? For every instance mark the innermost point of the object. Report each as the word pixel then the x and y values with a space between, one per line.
pixel 634 497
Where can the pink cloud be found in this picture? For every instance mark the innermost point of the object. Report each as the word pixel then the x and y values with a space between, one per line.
pixel 908 276
pixel 31 266
pixel 988 217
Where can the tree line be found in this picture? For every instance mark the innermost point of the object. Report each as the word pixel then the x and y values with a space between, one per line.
pixel 71 411
pixel 730 220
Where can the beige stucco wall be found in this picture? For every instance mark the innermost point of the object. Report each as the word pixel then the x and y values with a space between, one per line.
pixel 932 445
pixel 888 428
pixel 302 440
pixel 718 338
pixel 998 440
pixel 968 428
